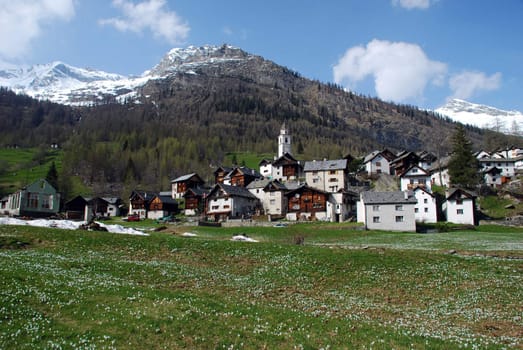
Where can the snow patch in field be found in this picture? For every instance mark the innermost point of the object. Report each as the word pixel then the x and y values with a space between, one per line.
pixel 68 225
pixel 242 238
pixel 189 234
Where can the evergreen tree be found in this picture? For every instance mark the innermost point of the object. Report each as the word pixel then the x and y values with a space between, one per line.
pixel 463 166
pixel 52 176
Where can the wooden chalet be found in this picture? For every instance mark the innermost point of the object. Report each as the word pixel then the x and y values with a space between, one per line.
pixel 426 159
pixel 195 201
pixel 139 202
pixel 75 208
pixel 403 162
pixel 162 205
pixel 84 208
pixel 286 168
pixel 306 203
pixel 241 176
pixel 221 173
pixel 181 184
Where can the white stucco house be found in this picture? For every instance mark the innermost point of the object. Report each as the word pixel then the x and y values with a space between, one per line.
pixel 415 177
pixel 390 211
pixel 230 202
pixel 327 175
pixel 271 194
pixel 378 162
pixel 508 166
pixel 341 206
pixel 439 172
pixel 426 208
pixel 492 177
pixel 460 206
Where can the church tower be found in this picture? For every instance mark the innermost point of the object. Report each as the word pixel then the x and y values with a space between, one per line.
pixel 284 141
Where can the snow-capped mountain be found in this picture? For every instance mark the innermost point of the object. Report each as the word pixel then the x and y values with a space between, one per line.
pixel 65 84
pixel 510 122
pixel 185 60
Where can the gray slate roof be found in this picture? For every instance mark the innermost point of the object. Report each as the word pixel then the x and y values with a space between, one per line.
pixel 319 165
pixel 184 177
pixel 370 156
pixel 236 191
pixel 259 183
pixel 396 197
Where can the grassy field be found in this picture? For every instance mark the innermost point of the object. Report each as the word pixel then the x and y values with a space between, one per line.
pixel 343 288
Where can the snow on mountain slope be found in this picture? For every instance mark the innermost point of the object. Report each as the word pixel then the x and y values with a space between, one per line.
pixel 65 84
pixel 62 83
pixel 510 122
pixel 185 60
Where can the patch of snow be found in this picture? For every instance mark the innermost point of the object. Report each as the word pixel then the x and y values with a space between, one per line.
pixel 242 238
pixel 68 225
pixel 189 234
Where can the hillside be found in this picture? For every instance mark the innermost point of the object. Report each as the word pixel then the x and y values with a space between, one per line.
pixel 198 104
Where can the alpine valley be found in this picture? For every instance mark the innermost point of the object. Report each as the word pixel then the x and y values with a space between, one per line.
pixel 195 106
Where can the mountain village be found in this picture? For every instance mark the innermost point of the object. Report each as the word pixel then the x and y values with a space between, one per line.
pixel 286 189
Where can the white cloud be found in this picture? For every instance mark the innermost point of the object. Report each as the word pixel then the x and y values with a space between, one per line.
pixel 400 70
pixel 227 31
pixel 468 83
pixel 413 4
pixel 152 15
pixel 22 21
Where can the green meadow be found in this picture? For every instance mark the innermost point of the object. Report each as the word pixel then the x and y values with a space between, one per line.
pixel 342 288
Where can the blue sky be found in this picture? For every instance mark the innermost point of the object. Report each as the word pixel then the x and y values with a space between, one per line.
pixel 418 52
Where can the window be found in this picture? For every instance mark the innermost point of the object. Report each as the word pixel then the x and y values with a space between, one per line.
pixel 425 200
pixel 459 201
pixel 375 208
pixel 459 211
pixel 378 163
pixel 215 207
pixel 272 201
pixel 399 207
pixel 272 194
pixel 47 202
pixel 32 200
pixel 333 179
pixel 226 206
pixel 416 210
pixel 375 219
pixel 399 218
pixel 332 172
pixel 426 210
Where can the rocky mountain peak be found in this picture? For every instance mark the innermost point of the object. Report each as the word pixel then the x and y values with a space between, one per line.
pixel 186 59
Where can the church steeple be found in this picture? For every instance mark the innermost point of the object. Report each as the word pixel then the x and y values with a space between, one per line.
pixel 284 141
